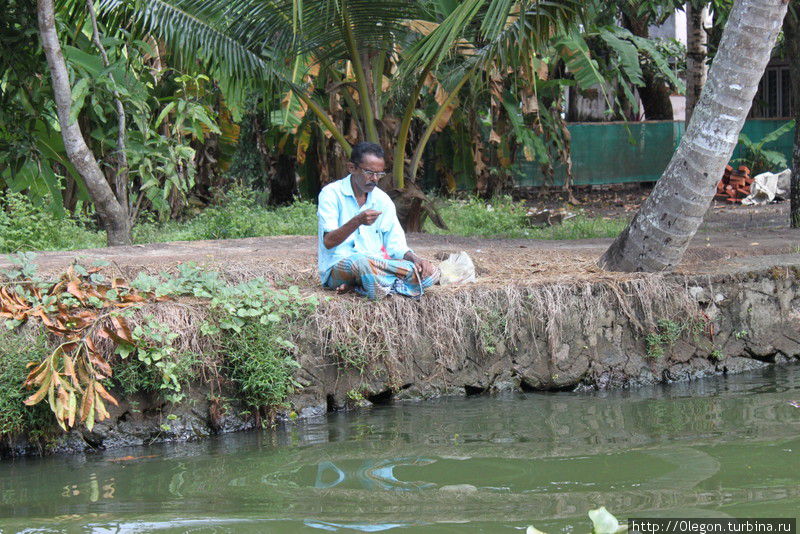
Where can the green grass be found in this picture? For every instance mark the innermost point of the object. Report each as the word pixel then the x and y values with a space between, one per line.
pixel 503 217
pixel 18 351
pixel 24 226
pixel 260 367
pixel 233 220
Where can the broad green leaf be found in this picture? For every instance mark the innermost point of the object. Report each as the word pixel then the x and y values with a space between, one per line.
pixel 776 134
pixel 79 93
pixel 626 51
pixel 660 61
pixel 575 53
pixel 164 113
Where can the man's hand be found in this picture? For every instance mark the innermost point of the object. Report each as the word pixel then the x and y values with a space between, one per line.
pixel 367 217
pixel 423 267
pixel 336 237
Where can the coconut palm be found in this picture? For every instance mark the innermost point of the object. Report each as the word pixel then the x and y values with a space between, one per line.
pixel 660 232
pixel 791 33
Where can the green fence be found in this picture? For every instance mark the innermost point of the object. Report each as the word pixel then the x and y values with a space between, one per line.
pixel 610 153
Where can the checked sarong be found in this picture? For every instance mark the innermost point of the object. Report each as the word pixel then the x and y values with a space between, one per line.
pixel 377 277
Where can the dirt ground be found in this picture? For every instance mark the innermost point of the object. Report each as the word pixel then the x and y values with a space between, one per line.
pixel 622 201
pixel 729 241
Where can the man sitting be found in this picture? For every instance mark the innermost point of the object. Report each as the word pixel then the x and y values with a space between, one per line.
pixel 361 244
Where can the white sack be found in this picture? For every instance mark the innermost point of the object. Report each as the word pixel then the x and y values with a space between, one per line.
pixel 767 187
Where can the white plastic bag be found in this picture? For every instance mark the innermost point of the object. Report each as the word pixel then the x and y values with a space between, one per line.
pixel 767 187
pixel 457 269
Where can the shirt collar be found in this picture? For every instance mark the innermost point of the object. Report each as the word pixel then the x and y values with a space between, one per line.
pixel 347 186
pixel 347 189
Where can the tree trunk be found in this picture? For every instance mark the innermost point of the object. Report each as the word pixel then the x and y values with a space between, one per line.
pixel 791 34
pixel 111 213
pixel 660 232
pixel 655 92
pixel 696 52
pixel 283 185
pixel 655 98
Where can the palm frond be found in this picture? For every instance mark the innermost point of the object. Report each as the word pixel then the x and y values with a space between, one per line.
pixel 197 31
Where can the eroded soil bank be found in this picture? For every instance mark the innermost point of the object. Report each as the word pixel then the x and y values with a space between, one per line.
pixel 565 336
pixel 542 320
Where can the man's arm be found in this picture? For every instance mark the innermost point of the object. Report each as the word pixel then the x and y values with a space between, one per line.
pixel 423 267
pixel 396 246
pixel 334 238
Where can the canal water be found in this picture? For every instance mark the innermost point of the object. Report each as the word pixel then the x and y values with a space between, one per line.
pixel 712 448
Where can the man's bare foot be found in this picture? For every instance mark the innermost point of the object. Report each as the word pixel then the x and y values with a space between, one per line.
pixel 344 288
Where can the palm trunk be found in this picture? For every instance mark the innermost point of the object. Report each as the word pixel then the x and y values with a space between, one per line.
pixel 420 149
pixel 112 215
pixel 660 232
pixel 696 52
pixel 791 34
pixel 361 78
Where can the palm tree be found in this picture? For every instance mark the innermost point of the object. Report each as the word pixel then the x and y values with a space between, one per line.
pixel 658 235
pixel 360 68
pixel 696 53
pixel 791 32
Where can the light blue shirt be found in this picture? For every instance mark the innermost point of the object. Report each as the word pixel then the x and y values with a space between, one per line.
pixel 337 205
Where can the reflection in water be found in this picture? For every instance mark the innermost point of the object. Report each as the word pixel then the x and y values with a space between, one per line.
pixel 372 475
pixel 368 527
pixel 711 448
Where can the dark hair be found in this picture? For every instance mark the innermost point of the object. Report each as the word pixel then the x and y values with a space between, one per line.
pixel 362 149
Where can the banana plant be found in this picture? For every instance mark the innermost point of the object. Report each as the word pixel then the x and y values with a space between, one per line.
pixel 375 61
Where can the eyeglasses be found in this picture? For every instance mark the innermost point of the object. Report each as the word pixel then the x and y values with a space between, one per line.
pixel 371 174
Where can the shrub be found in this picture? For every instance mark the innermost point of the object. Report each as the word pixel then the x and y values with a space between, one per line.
pixel 28 226
pixel 260 366
pixel 18 350
pixel 237 216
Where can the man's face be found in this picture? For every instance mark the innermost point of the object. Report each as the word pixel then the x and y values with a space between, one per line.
pixel 362 176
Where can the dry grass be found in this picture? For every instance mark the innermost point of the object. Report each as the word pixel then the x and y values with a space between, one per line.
pixel 449 326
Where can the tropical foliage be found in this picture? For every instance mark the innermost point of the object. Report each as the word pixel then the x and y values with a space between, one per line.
pixel 201 96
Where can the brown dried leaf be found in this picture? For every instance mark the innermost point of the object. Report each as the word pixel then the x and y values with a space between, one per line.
pixel 440 95
pixel 424 27
pixel 100 408
pixel 72 408
pixel 105 394
pixel 36 376
pixel 74 289
pixel 40 394
pixel 444 118
pixel 119 283
pixel 530 105
pixel 87 404
pixel 132 298
pixel 101 366
pixel 122 330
